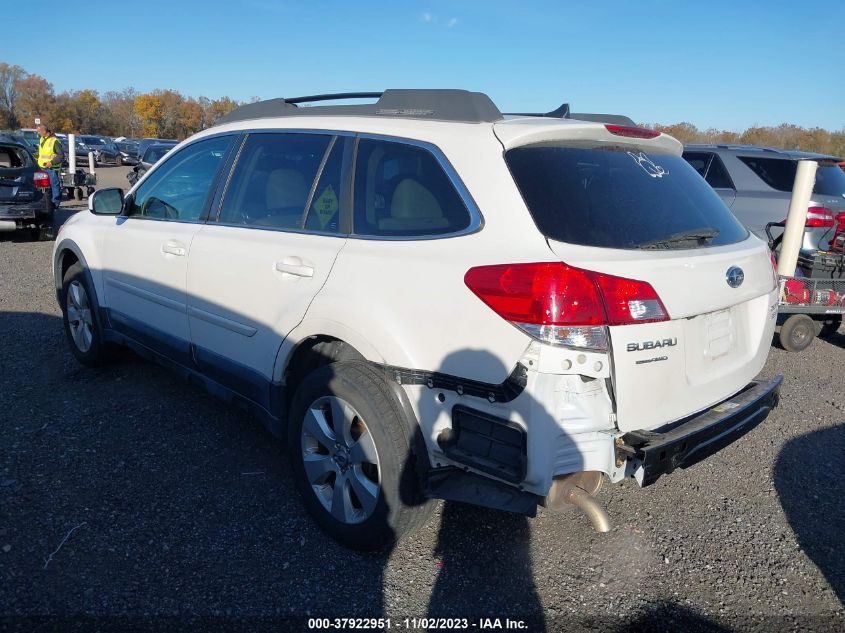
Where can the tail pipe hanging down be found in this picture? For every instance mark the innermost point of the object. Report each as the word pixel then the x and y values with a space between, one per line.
pixel 578 489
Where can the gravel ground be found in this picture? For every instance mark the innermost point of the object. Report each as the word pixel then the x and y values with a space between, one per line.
pixel 130 500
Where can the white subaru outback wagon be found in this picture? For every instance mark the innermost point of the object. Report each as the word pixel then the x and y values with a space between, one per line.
pixel 430 299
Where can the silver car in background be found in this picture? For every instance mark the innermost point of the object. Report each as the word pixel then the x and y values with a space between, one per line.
pixel 756 184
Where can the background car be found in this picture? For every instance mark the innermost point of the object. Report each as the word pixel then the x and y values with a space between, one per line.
pixel 756 184
pixel 30 137
pixel 105 150
pixel 23 205
pixel 144 143
pixel 129 152
pixel 152 155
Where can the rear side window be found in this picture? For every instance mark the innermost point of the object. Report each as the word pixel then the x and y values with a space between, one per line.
pixel 717 176
pixel 779 173
pixel 272 180
pixel 402 191
pixel 619 197
pixel 711 168
pixel 324 211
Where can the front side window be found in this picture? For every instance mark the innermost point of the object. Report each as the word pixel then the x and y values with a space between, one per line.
pixel 620 197
pixel 179 187
pixel 401 190
pixel 272 180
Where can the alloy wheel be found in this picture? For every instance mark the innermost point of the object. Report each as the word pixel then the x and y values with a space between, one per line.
pixel 340 459
pixel 79 317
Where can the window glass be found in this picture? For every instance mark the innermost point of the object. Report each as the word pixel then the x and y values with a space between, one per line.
pixel 830 180
pixel 717 175
pixel 179 187
pixel 619 197
pixel 779 173
pixel 324 212
pixel 698 160
pixel 272 180
pixel 401 190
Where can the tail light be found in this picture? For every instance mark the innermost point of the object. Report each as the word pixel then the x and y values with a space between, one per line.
pixel 630 131
pixel 775 275
pixel 562 305
pixel 41 179
pixel 819 217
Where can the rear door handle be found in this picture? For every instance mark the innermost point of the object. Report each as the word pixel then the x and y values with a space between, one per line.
pixel 295 266
pixel 174 248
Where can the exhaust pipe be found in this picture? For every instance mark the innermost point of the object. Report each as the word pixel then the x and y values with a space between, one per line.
pixel 577 489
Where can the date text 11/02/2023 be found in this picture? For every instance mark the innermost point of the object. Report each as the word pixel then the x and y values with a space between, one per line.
pixel 431 624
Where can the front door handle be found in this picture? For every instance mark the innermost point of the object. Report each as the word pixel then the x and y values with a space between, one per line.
pixel 174 248
pixel 295 266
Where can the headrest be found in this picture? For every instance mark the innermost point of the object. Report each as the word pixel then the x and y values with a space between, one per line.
pixel 286 188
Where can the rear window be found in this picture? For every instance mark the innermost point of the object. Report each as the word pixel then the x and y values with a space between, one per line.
pixel 12 157
pixel 779 173
pixel 619 197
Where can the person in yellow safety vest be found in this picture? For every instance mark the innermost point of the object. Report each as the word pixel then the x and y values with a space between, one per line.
pixel 50 155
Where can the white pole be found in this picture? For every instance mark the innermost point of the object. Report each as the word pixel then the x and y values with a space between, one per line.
pixel 91 163
pixel 71 157
pixel 793 234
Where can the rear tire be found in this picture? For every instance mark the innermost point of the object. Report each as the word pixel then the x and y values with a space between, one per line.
pixel 797 333
pixel 359 482
pixel 81 319
pixel 829 326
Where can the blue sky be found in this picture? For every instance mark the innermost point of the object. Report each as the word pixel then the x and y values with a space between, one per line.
pixel 713 63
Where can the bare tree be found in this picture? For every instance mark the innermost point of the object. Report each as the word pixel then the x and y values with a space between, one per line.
pixel 9 78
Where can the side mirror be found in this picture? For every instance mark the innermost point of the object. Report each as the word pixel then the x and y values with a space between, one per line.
pixel 106 201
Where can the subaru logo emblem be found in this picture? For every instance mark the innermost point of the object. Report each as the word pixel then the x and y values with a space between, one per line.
pixel 735 276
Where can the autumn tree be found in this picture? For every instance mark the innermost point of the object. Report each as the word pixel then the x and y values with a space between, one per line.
pixel 217 108
pixel 35 98
pixel 120 112
pixel 148 107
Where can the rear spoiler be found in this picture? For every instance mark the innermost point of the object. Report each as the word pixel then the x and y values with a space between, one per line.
pixel 563 112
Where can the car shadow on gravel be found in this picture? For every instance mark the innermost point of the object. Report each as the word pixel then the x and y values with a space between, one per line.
pixel 837 340
pixel 130 497
pixel 667 617
pixel 808 474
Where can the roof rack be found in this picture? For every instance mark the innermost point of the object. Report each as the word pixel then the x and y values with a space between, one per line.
pixel 434 104
pixel 438 105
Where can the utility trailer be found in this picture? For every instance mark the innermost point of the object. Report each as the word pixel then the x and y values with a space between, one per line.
pixel 79 184
pixel 814 298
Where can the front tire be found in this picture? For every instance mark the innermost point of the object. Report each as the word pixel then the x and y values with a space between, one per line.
pixel 81 320
pixel 349 446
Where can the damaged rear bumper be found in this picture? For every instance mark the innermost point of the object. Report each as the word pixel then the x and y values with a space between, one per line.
pixel 686 443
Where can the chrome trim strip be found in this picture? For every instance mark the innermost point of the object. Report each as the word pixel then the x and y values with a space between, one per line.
pixel 227 324
pixel 146 294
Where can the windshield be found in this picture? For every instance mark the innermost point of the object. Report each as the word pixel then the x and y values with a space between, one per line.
pixel 619 197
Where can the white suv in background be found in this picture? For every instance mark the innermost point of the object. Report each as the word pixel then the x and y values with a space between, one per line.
pixel 430 299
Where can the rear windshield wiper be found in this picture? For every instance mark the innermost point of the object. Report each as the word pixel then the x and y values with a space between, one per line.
pixel 693 237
